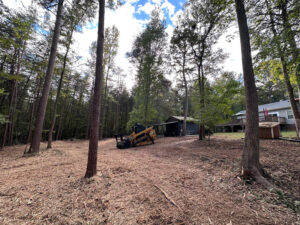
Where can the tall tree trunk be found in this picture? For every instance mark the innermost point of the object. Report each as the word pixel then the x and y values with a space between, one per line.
pixel 50 134
pixel 104 104
pixel 7 129
pixel 186 107
pixel 2 63
pixel 35 143
pixel 285 72
pixel 106 124
pixel 12 113
pixel 250 159
pixel 118 116
pixel 15 97
pixel 91 169
pixel 30 122
pixel 33 108
pixel 22 94
pixel 201 98
pixel 147 93
pixel 202 103
pixel 87 132
pixel 1 69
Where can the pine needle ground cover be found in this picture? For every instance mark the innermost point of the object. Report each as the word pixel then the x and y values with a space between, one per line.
pixel 174 181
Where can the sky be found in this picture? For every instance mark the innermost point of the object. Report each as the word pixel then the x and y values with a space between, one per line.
pixel 131 19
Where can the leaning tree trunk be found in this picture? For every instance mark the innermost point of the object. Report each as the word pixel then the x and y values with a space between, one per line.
pixel 50 134
pixel 91 169
pixel 33 108
pixel 35 143
pixel 285 72
pixel 290 35
pixel 250 157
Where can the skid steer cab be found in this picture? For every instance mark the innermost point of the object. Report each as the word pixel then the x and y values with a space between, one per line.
pixel 140 136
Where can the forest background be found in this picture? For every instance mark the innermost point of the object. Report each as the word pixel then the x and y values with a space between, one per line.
pixel 158 71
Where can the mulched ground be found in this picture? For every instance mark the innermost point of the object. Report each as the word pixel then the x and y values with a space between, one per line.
pixel 174 181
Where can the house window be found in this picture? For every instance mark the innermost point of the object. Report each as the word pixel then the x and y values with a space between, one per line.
pixel 273 114
pixel 290 115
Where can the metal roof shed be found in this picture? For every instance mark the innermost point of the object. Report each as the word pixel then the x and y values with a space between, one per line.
pixel 174 126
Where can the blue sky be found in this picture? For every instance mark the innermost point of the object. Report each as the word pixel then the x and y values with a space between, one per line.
pixel 143 8
pixel 144 16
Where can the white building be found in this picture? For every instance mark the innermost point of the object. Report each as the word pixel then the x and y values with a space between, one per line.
pixel 277 112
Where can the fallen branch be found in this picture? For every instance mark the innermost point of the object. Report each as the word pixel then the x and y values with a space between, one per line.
pixel 167 197
pixel 6 195
pixel 289 139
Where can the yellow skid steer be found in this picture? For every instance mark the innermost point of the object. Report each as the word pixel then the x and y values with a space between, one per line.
pixel 140 136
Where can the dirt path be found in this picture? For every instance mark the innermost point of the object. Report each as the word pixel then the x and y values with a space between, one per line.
pixel 175 181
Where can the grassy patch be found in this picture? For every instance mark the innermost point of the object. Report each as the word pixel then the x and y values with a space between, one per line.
pixel 234 135
pixel 239 135
pixel 289 134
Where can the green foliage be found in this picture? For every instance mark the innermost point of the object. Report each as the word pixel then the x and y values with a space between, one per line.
pixel 137 115
pixel 149 56
pixel 274 29
pixel 270 82
pixel 11 77
pixel 3 119
pixel 221 97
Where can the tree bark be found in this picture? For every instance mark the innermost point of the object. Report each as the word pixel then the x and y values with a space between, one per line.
pixel 186 107
pixel 91 169
pixel 35 143
pixel 202 104
pixel 201 98
pixel 250 157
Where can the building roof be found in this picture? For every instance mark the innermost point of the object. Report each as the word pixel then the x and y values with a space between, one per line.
pixel 181 118
pixel 268 124
pixel 270 107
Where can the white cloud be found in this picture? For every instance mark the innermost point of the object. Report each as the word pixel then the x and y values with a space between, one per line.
pixel 233 48
pixel 169 31
pixel 17 4
pixel 147 8
pixel 175 17
pixel 129 27
pixel 170 8
pixel 131 1
pixel 157 2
